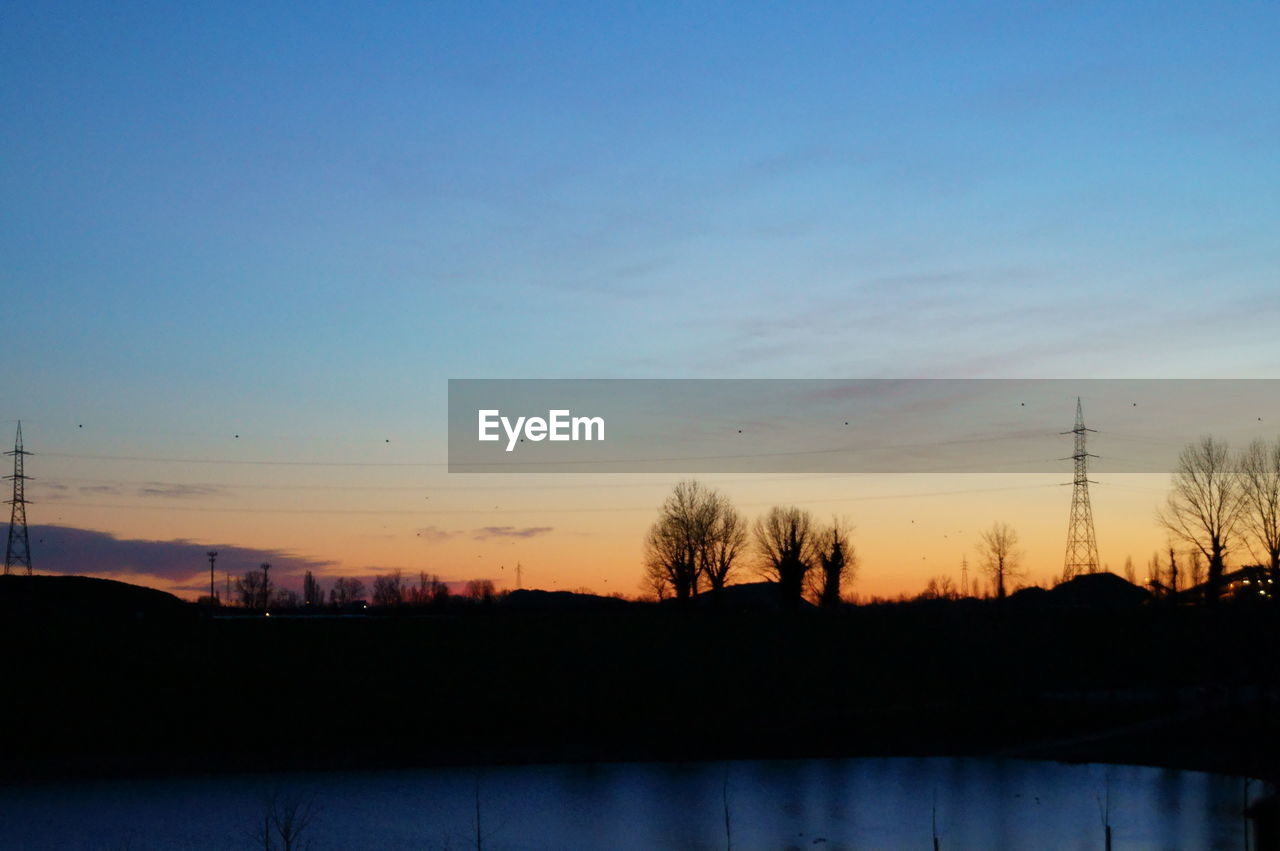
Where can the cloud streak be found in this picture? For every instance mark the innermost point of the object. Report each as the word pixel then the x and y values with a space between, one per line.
pixel 176 491
pixel 434 533
pixel 486 533
pixel 98 490
pixel 70 550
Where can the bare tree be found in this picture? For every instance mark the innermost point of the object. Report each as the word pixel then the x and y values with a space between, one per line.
pixel 1204 506
pixel 1153 571
pixel 725 543
pixel 1260 495
pixel 655 581
pixel 1001 559
pixel 388 590
pixel 419 594
pixel 251 589
pixel 788 542
pixel 345 591
pixel 837 563
pixel 677 544
pixel 481 590
pixel 1130 573
pixel 940 588
pixel 439 591
pixel 1195 567
pixel 284 823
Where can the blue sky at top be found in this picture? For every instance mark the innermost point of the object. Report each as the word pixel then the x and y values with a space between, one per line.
pixel 317 214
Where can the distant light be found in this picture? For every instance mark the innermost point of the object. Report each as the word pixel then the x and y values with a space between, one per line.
pixel 268 614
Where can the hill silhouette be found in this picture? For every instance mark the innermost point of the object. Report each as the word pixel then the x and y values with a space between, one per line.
pixel 82 596
pixel 1087 591
pixel 1100 590
pixel 748 597
pixel 561 601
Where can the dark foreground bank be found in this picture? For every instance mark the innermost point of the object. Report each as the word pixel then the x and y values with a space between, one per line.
pixel 139 683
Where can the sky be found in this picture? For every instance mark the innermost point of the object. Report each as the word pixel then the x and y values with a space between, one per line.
pixel 246 246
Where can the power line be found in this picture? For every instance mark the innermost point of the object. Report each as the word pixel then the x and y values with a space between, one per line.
pixel 452 488
pixel 835 450
pixel 428 513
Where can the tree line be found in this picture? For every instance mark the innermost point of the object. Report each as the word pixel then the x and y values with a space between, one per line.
pixel 1222 501
pixel 254 590
pixel 700 541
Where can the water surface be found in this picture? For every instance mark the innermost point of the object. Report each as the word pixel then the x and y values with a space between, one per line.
pixel 823 804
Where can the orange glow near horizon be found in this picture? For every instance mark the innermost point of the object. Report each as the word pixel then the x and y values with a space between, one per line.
pixel 585 531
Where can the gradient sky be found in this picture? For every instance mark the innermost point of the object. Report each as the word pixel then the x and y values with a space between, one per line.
pixel 294 224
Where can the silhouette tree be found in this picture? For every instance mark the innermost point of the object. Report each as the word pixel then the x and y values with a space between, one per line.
pixel 481 590
pixel 655 582
pixel 788 542
pixel 345 591
pixel 678 544
pixel 388 590
pixel 251 589
pixel 312 595
pixel 1260 494
pixel 1204 506
pixel 725 543
pixel 439 591
pixel 940 588
pixel 419 594
pixel 1001 559
pixel 284 823
pixel 1195 567
pixel 838 564
pixel 266 585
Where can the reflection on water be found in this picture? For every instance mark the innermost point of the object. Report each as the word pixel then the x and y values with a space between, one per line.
pixel 826 804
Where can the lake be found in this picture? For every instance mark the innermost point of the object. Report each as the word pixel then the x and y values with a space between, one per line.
pixel 813 804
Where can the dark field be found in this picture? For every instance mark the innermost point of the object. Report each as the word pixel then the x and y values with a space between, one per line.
pixel 131 685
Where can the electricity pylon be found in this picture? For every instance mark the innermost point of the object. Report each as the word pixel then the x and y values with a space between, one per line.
pixel 1082 547
pixel 18 551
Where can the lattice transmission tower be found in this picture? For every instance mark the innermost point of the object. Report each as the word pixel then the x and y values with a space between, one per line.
pixel 18 551
pixel 1082 547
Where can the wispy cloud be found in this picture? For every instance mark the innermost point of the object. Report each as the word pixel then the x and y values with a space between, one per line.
pixel 98 490
pixel 177 491
pixel 483 533
pixel 67 549
pixel 50 491
pixel 490 532
pixel 433 533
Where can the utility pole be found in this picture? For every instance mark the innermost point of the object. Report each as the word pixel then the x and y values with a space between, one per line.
pixel 18 551
pixel 964 576
pixel 213 594
pixel 519 576
pixel 266 586
pixel 1082 548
